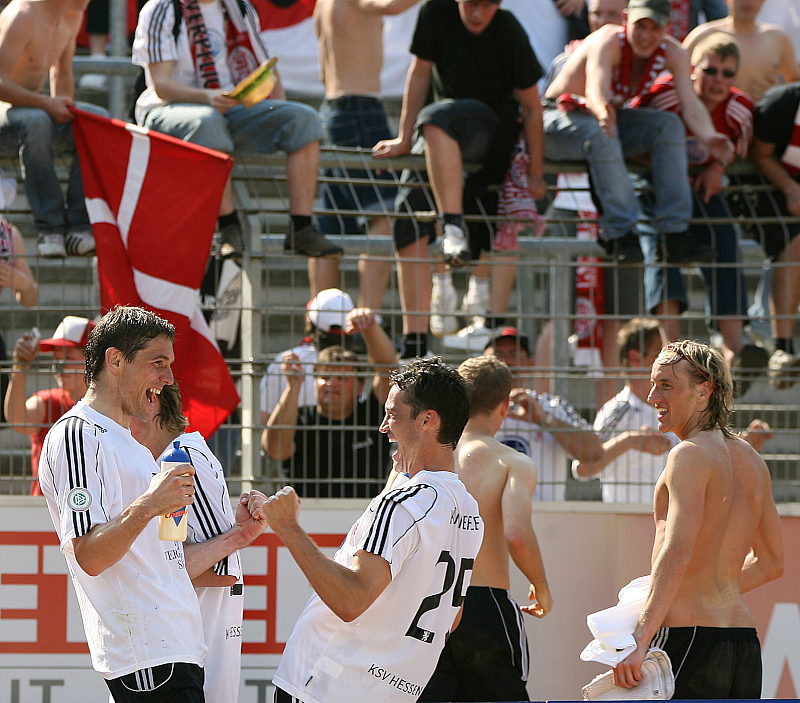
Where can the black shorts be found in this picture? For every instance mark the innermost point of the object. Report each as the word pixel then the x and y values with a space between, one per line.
pixel 282 697
pixel 486 657
pixel 177 683
pixel 713 662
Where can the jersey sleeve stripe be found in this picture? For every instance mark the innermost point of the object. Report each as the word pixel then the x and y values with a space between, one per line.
pixel 379 530
pixel 613 419
pixel 202 503
pixel 76 474
pixel 157 20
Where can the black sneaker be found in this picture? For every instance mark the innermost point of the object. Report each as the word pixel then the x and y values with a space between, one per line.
pixel 624 250
pixel 309 241
pixel 231 241
pixel 748 365
pixel 685 248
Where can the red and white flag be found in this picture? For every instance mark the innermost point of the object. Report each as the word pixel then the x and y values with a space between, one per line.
pixel 153 201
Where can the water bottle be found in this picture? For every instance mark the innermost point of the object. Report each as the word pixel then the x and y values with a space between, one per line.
pixel 172 526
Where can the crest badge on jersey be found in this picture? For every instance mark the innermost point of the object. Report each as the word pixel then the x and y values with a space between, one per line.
pixel 79 499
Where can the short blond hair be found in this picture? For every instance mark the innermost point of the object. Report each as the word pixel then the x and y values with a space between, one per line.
pixel 720 44
pixel 489 381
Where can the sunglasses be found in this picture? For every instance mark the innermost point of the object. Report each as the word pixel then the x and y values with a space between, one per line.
pixel 713 71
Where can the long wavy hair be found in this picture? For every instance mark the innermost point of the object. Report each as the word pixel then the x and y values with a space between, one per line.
pixel 705 364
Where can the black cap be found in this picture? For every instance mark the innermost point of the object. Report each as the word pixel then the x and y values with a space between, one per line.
pixel 510 333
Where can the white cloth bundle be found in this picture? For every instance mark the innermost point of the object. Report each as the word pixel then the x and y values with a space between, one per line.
pixel 657 684
pixel 613 627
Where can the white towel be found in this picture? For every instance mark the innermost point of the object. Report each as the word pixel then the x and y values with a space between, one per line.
pixel 613 627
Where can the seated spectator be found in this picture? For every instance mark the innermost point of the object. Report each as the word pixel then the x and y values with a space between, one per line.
pixel 349 460
pixel 587 117
pixel 34 416
pixel 185 97
pixel 542 426
pixel 15 274
pixel 619 288
pixel 715 61
pixel 326 320
pixel 776 144
pixel 634 451
pixel 477 60
pixel 768 57
pixel 37 41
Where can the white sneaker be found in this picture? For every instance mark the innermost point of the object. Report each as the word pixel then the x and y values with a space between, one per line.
pixel 51 246
pixel 443 306
pixel 476 299
pixel 784 369
pixel 455 249
pixel 471 339
pixel 93 81
pixel 79 243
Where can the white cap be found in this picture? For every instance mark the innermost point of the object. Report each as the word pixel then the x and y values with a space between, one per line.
pixel 329 308
pixel 72 331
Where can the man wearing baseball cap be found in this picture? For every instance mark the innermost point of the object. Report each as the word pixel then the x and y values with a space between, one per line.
pixel 542 426
pixel 331 449
pixel 326 315
pixel 588 118
pixel 34 416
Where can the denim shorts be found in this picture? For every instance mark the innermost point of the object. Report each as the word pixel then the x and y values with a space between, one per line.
pixel 266 127
pixel 354 121
pixel 471 123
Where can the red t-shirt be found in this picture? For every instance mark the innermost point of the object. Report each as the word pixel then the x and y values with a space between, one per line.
pixel 732 117
pixel 56 402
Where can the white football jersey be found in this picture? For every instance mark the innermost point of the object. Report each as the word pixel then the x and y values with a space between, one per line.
pixel 210 515
pixel 429 530
pixel 632 476
pixel 551 459
pixel 142 611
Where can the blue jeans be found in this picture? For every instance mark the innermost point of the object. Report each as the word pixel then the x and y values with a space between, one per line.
pixel 268 126
pixel 576 136
pixel 38 139
pixel 726 290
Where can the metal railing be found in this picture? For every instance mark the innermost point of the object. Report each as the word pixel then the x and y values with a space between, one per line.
pixel 275 290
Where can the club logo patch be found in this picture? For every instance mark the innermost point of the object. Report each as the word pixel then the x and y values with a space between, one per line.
pixel 79 499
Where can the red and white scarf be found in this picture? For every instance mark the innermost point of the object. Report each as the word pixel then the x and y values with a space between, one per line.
pixel 244 50
pixel 622 90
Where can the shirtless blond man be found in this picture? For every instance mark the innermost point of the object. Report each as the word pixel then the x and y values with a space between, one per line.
pixel 718 535
pixel 587 117
pixel 350 36
pixel 37 41
pixel 486 657
pixel 768 56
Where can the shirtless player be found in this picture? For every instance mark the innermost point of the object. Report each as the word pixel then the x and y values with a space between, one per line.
pixel 486 657
pixel 767 54
pixel 37 38
pixel 717 535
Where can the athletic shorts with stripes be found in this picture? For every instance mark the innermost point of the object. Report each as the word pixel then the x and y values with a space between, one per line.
pixel 177 683
pixel 486 657
pixel 713 662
